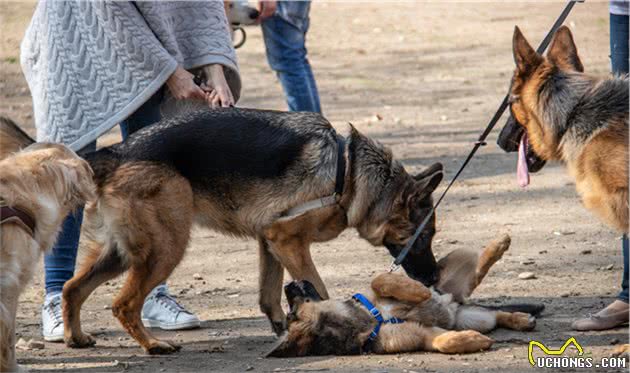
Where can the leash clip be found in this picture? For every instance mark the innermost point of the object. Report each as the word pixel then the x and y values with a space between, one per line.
pixel 394 267
pixel 481 143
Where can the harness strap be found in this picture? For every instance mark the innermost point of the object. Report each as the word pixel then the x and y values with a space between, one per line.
pixel 376 314
pixel 15 215
pixel 339 185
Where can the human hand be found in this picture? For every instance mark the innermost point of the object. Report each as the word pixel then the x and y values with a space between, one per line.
pixel 216 90
pixel 182 86
pixel 266 8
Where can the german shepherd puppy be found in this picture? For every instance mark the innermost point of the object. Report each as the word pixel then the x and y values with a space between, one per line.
pixel 425 319
pixel 237 171
pixel 575 118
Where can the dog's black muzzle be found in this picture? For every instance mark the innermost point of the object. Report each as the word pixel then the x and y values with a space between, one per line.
pixel 509 139
pixel 420 263
pixel 299 291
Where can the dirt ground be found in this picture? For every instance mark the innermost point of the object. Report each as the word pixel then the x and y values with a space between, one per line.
pixel 434 73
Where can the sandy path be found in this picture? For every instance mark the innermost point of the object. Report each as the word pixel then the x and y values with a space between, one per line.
pixel 435 74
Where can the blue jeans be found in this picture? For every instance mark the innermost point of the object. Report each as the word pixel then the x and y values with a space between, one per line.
pixel 623 295
pixel 619 64
pixel 619 43
pixel 59 264
pixel 285 39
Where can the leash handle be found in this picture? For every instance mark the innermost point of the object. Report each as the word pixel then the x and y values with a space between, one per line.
pixel 480 142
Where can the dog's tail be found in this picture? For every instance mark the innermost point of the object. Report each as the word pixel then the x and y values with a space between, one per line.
pixel 12 137
pixel 531 308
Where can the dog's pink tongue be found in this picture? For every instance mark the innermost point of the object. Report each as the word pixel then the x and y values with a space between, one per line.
pixel 522 173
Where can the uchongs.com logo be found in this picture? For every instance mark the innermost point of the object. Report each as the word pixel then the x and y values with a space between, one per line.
pixel 564 358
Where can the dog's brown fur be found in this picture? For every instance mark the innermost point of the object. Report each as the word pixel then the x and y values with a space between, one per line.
pixel 342 327
pixel 48 181
pixel 593 143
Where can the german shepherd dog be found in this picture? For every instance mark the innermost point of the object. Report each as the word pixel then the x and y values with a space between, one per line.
pixel 561 113
pixel 238 171
pixel 572 117
pixel 420 318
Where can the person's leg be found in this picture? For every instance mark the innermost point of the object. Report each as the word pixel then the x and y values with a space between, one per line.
pixel 146 115
pixel 58 268
pixel 616 313
pixel 619 44
pixel 160 309
pixel 285 39
pixel 623 295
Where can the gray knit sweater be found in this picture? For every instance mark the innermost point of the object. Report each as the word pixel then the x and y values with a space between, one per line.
pixel 90 64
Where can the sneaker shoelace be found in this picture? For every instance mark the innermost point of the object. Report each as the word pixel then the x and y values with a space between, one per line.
pixel 169 302
pixel 54 310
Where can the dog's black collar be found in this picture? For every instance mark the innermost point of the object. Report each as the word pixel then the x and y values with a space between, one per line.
pixel 341 166
pixel 339 185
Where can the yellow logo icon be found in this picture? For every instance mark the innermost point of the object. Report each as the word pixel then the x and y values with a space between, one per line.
pixel 548 351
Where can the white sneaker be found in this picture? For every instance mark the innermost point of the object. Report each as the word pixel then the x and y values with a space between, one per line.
pixel 160 310
pixel 52 320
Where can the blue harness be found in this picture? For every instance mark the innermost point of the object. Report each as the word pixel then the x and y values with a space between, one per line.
pixel 376 314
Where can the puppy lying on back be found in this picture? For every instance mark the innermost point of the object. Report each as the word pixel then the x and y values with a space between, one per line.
pixel 39 186
pixel 399 314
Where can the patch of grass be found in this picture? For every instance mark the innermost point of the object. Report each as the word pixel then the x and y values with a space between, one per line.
pixel 11 60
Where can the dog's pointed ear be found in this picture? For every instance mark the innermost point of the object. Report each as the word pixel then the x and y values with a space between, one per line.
pixel 436 167
pixel 284 347
pixel 427 184
pixel 563 52
pixel 525 56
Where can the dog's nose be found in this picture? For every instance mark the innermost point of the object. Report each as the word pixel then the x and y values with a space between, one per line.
pixel 254 13
pixel 293 289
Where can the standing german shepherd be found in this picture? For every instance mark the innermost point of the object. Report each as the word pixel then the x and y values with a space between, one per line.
pixel 239 171
pixel 575 118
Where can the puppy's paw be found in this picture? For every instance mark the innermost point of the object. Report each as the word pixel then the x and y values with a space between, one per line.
pixel 523 321
pixel 79 340
pixel 500 245
pixel 162 348
pixel 462 342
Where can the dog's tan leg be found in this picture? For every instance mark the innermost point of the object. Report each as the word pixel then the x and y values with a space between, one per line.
pixel 270 287
pixel 95 270
pixel 294 254
pixel 489 256
pixel 411 336
pixel 458 342
pixel 128 306
pixel 156 228
pixel 515 320
pixel 400 287
pixel 8 310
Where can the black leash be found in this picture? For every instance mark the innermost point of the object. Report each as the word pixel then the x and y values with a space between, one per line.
pixel 481 141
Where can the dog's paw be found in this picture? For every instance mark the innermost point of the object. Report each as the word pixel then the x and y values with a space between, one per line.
pixel 462 342
pixel 81 340
pixel 163 348
pixel 500 245
pixel 523 321
pixel 622 351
